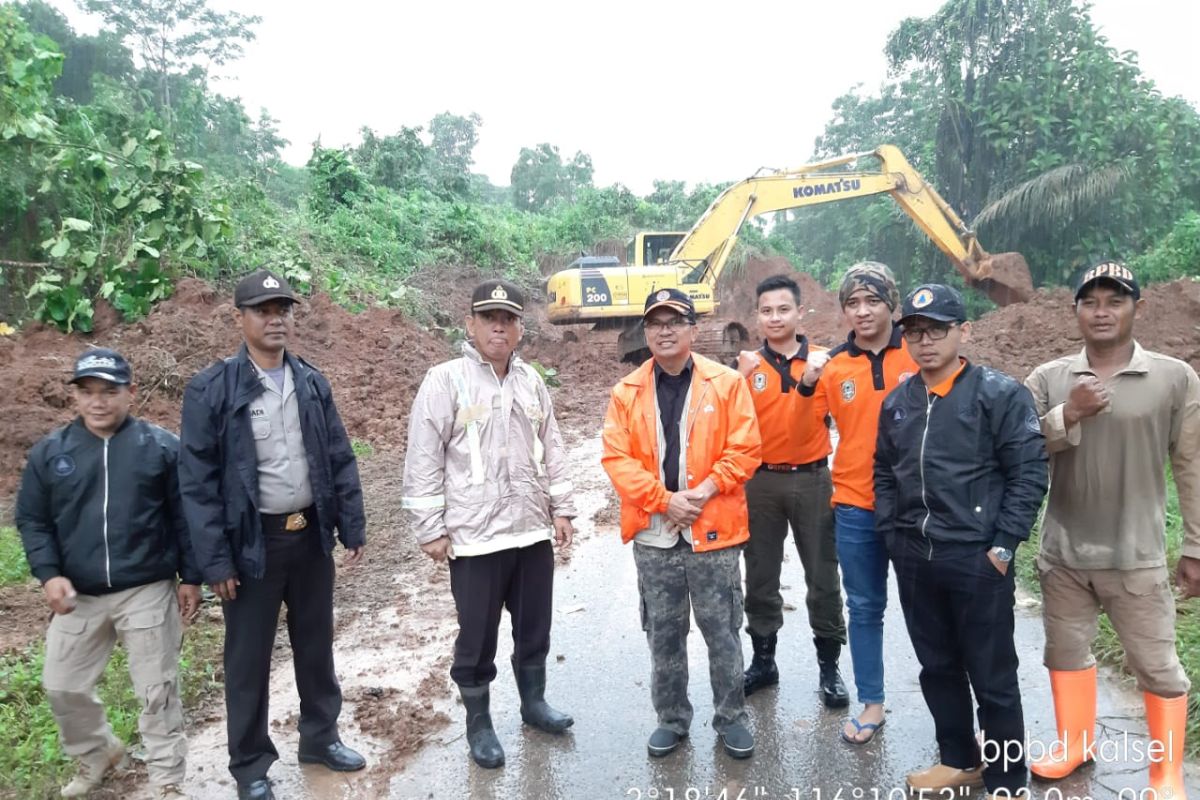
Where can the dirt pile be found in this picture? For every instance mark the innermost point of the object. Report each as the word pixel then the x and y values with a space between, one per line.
pixel 375 361
pixel 1019 337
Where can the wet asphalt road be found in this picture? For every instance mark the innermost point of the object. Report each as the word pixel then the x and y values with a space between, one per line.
pixel 598 672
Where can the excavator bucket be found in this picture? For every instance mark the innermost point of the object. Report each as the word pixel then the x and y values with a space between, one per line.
pixel 1005 277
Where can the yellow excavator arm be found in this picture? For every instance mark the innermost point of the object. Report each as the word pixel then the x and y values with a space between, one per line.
pixel 707 246
pixel 613 296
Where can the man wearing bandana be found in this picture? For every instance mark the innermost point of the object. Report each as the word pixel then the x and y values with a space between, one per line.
pixel 850 384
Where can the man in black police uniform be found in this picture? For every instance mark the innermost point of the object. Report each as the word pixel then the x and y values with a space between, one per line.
pixel 267 474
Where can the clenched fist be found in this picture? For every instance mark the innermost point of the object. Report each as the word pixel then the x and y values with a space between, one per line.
pixel 1088 397
pixel 815 366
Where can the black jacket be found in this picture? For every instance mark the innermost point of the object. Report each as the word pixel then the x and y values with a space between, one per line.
pixel 105 513
pixel 967 467
pixel 218 466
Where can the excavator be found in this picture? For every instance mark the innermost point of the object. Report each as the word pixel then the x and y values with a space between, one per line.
pixel 611 296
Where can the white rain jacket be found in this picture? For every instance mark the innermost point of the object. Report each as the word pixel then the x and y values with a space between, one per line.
pixel 486 464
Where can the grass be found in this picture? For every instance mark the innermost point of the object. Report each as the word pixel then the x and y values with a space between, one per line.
pixel 1107 646
pixel 32 764
pixel 362 449
pixel 13 566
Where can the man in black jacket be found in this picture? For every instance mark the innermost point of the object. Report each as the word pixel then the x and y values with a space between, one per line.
pixel 267 473
pixel 101 521
pixel 960 472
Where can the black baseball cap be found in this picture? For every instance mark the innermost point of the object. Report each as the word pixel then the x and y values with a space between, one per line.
pixel 100 362
pixel 672 299
pixel 1113 272
pixel 261 286
pixel 934 301
pixel 498 295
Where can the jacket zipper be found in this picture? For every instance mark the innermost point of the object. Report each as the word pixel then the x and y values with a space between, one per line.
pixel 107 565
pixel 924 500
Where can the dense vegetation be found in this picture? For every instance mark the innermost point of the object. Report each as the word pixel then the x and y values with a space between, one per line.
pixel 121 168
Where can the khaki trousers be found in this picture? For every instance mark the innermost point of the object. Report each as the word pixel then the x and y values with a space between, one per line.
pixel 1142 611
pixel 78 645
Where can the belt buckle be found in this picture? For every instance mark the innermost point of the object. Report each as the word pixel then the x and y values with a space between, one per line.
pixel 295 522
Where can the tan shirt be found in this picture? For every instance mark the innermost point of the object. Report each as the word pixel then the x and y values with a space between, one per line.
pixel 283 485
pixel 1107 500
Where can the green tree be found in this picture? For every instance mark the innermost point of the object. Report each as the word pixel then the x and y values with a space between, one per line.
pixel 84 56
pixel 172 36
pixel 398 161
pixel 540 177
pixel 452 145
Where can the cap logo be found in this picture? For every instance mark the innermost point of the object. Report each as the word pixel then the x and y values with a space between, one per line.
pixel 662 296
pixel 97 362
pixel 270 283
pixel 1110 269
pixel 498 293
pixel 922 298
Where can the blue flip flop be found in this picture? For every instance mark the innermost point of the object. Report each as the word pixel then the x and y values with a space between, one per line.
pixel 859 727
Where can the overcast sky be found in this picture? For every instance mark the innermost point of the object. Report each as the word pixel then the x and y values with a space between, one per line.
pixel 650 89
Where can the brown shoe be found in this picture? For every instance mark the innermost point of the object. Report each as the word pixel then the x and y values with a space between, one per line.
pixel 940 777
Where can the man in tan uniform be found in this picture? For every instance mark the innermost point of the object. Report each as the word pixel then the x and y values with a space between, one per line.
pixel 1113 415
pixel 486 482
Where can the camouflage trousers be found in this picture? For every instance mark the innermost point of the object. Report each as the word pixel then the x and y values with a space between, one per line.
pixel 671 583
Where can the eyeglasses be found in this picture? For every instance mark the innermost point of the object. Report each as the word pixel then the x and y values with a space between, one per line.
pixel 935 333
pixel 655 326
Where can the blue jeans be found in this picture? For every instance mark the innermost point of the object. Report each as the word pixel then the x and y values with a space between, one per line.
pixel 864 561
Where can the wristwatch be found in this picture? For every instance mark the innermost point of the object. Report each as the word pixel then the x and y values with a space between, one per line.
pixel 1002 554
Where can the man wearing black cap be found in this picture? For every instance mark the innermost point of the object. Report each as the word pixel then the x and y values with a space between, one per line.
pixel 486 481
pixel 960 472
pixel 1114 415
pixel 680 440
pixel 102 524
pixel 267 474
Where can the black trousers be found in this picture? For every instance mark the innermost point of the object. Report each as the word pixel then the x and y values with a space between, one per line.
pixel 959 613
pixel 521 580
pixel 301 575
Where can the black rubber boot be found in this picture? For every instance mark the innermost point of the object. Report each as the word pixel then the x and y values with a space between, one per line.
pixel 762 672
pixel 485 747
pixel 535 711
pixel 833 689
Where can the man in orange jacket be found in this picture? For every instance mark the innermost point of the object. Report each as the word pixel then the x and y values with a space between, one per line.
pixel 680 440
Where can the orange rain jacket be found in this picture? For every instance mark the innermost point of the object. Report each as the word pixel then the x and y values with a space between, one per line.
pixel 721 440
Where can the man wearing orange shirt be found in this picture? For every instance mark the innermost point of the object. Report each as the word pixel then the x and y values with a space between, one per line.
pixel 850 384
pixel 791 488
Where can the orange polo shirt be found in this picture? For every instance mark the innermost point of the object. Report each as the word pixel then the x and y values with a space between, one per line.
pixel 792 432
pixel 851 389
pixel 943 388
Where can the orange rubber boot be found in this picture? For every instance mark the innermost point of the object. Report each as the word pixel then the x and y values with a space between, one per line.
pixel 1166 717
pixel 1075 712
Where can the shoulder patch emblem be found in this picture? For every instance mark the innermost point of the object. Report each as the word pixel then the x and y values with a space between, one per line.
pixel 1033 423
pixel 899 414
pixel 847 390
pixel 760 382
pixel 63 465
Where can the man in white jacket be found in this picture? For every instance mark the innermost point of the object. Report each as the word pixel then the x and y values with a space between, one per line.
pixel 485 480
